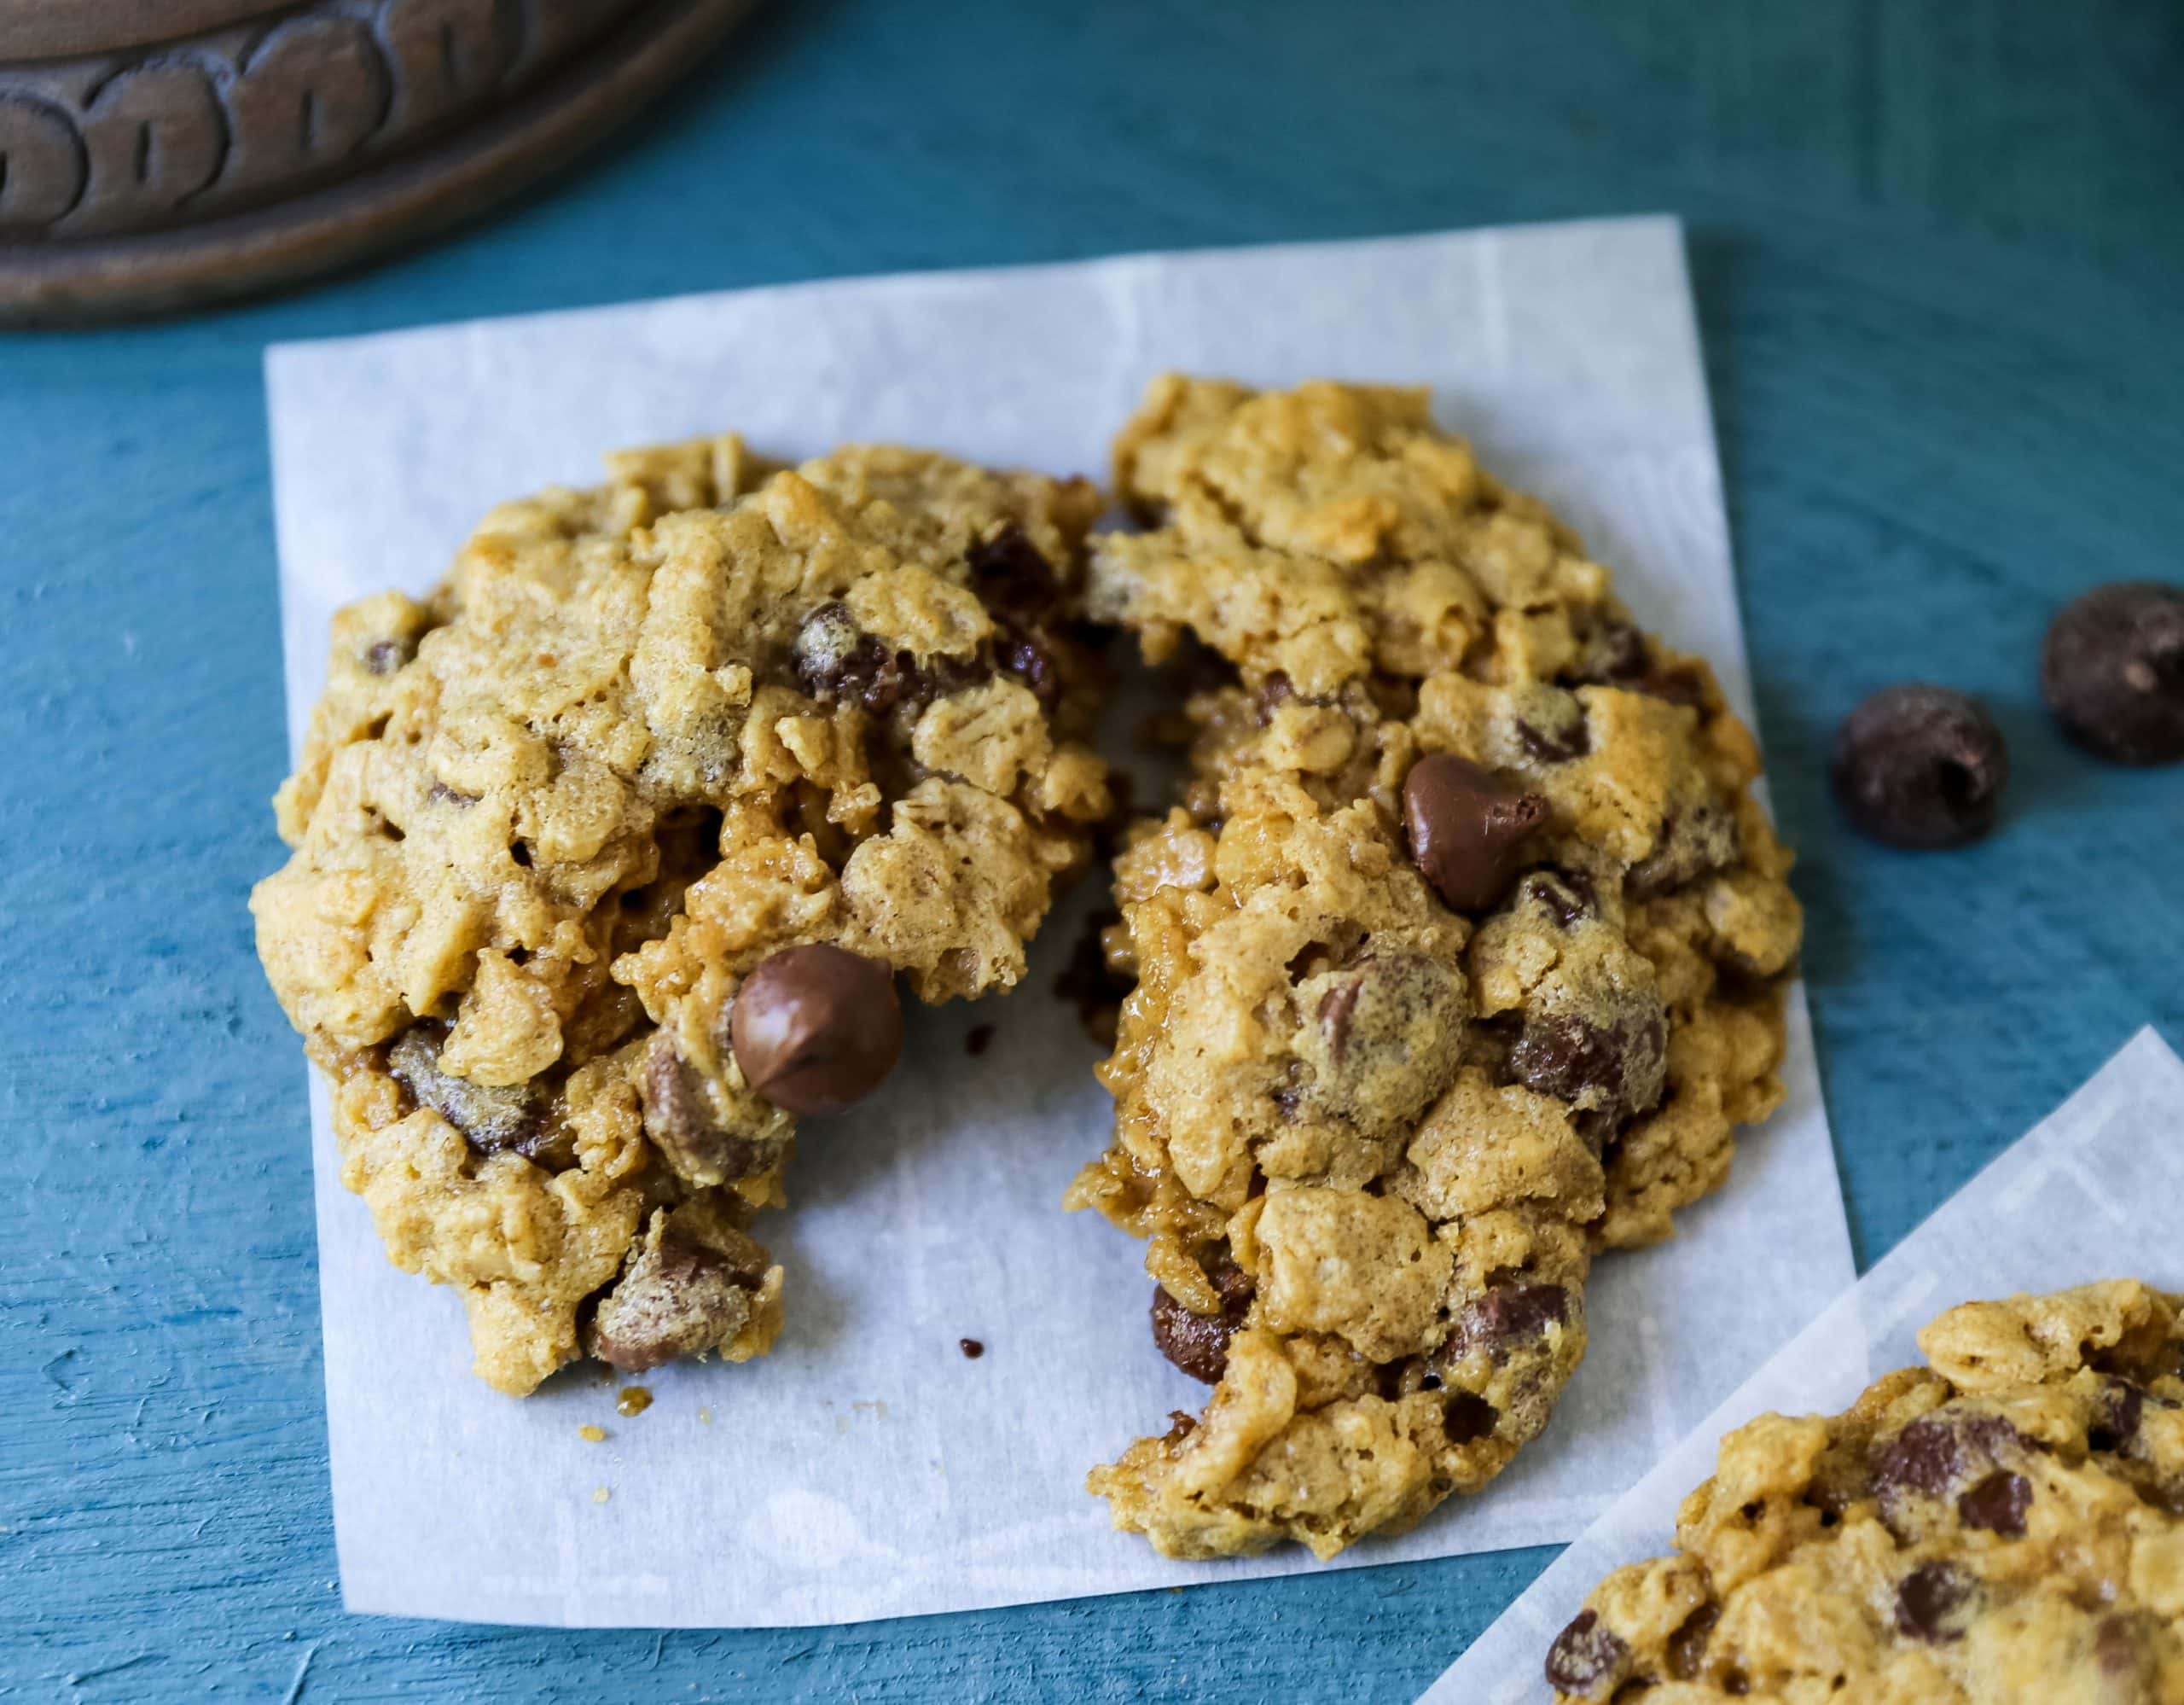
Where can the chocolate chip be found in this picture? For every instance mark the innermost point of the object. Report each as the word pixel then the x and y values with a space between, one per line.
pixel 1467 1417
pixel 1026 654
pixel 817 1028
pixel 1695 840
pixel 1574 739
pixel 441 793
pixel 1587 1659
pixel 971 1347
pixel 491 1117
pixel 979 1040
pixel 1686 1646
pixel 1928 1599
pixel 1567 896
pixel 679 1118
pixel 1997 1505
pixel 677 1297
pixel 831 652
pixel 1199 1344
pixel 2119 1647
pixel 1920 766
pixel 1615 651
pixel 1466 828
pixel 1937 1453
pixel 2112 672
pixel 1504 1316
pixel 1012 572
pixel 387 655
pixel 1384 1035
pixel 1616 1068
pixel 2116 1416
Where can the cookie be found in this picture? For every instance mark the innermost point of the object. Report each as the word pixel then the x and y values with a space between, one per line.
pixel 1460 957
pixel 2006 1523
pixel 611 853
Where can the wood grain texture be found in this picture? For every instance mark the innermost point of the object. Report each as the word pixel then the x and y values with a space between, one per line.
pixel 1937 248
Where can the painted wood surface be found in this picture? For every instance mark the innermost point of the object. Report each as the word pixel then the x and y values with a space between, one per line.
pixel 1940 255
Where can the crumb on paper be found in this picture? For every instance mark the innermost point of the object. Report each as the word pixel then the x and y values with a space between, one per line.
pixel 591 1435
pixel 706 1416
pixel 634 1400
pixel 600 1494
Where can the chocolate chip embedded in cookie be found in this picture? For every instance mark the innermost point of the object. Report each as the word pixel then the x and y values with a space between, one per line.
pixel 610 853
pixel 1990 1528
pixel 1459 955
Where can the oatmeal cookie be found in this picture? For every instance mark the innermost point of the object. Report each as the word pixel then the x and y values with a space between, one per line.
pixel 610 853
pixel 1460 957
pixel 2004 1524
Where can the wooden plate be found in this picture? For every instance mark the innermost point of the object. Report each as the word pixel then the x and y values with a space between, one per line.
pixel 162 155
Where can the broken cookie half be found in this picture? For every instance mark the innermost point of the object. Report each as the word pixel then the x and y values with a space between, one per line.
pixel 611 854
pixel 1460 957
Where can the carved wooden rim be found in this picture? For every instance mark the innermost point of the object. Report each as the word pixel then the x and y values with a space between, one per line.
pixel 401 198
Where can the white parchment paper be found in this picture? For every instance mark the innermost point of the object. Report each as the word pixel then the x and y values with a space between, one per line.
pixel 2088 1193
pixel 867 1467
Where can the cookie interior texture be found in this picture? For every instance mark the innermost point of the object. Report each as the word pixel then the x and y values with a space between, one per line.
pixel 1374 1139
pixel 2005 1524
pixel 548 819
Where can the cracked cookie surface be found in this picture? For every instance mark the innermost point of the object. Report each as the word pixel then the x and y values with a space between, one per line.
pixel 2005 1524
pixel 1460 957
pixel 647 739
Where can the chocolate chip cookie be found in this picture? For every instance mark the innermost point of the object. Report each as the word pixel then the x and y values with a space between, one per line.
pixel 2006 1524
pixel 1461 956
pixel 611 853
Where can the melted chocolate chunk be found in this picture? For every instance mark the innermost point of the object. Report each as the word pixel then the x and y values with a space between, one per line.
pixel 1587 1659
pixel 1997 1505
pixel 1199 1344
pixel 2116 1418
pixel 1012 573
pixel 678 1296
pixel 1556 745
pixel 1505 1317
pixel 679 1118
pixel 1615 1068
pixel 387 655
pixel 1927 1601
pixel 491 1117
pixel 1686 1646
pixel 1467 1417
pixel 1467 828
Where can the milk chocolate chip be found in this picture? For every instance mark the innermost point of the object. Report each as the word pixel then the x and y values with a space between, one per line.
pixel 817 1028
pixel 1466 828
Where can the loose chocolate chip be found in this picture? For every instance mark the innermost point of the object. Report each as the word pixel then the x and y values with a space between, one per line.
pixel 1012 572
pixel 679 1118
pixel 678 1297
pixel 1505 1316
pixel 2112 672
pixel 1997 1503
pixel 1199 1344
pixel 1927 1598
pixel 491 1117
pixel 817 1028
pixel 1466 828
pixel 1616 1068
pixel 971 1347
pixel 1920 766
pixel 387 655
pixel 1556 745
pixel 1686 1646
pixel 1467 1417
pixel 1587 1659
pixel 2116 1416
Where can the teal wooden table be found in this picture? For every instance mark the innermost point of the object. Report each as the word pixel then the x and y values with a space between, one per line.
pixel 1940 256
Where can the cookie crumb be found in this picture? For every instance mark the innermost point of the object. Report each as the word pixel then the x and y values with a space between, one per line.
pixel 591 1435
pixel 706 1416
pixel 634 1400
pixel 979 1039
pixel 971 1347
pixel 600 1494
